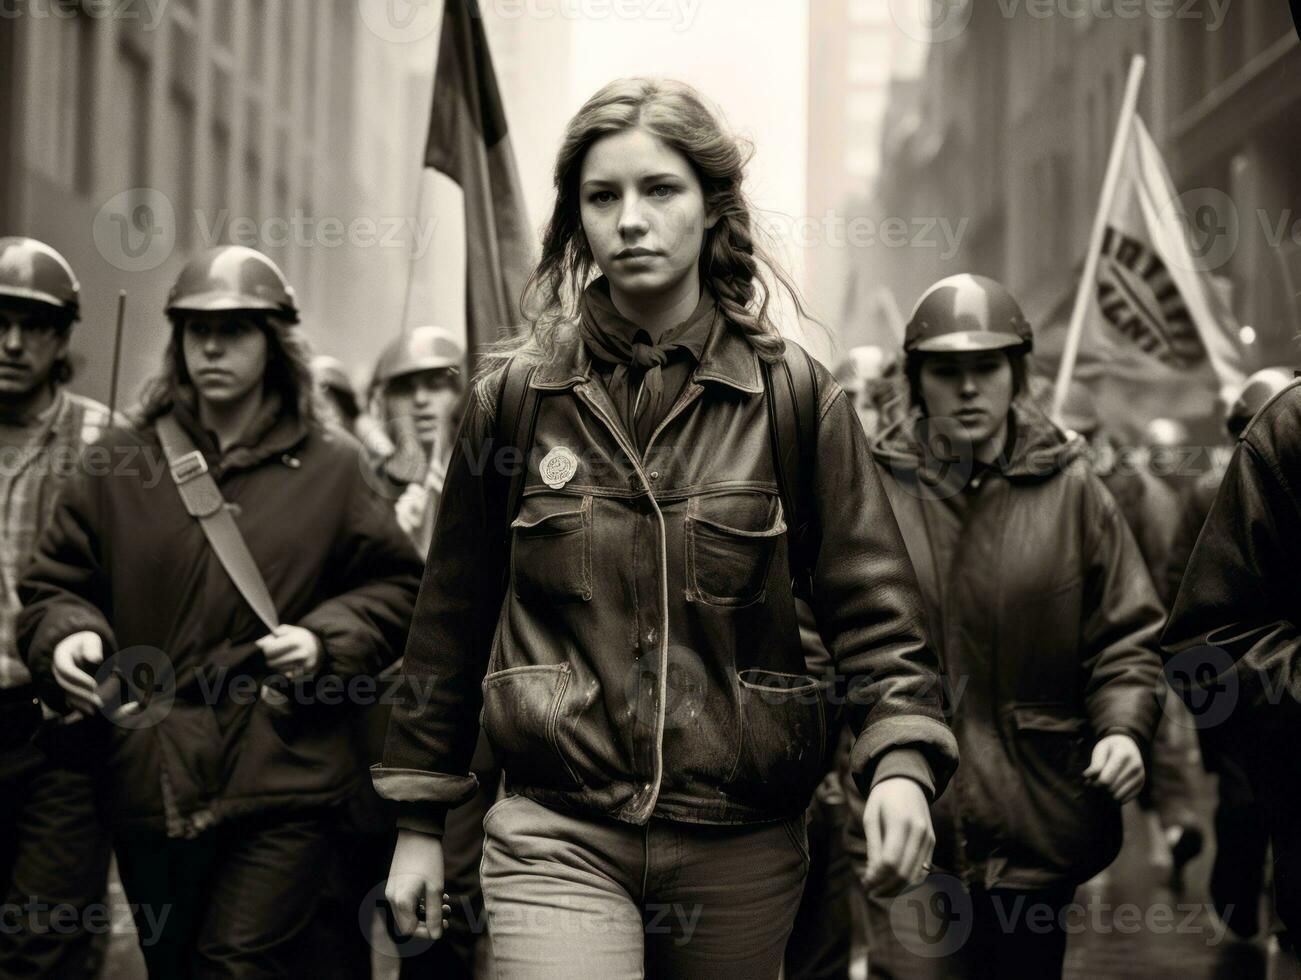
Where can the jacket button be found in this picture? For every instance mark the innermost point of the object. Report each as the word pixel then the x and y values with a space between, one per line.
pixel 293 462
pixel 651 635
pixel 654 474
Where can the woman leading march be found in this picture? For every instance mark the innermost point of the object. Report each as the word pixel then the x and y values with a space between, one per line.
pixel 630 633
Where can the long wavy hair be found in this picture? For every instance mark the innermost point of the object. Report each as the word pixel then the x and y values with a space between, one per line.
pixel 288 373
pixel 731 260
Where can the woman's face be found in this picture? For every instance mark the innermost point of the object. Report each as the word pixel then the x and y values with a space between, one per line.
pixel 225 355
pixel 643 212
pixel 974 389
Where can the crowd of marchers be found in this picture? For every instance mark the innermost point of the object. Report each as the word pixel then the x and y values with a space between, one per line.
pixel 739 652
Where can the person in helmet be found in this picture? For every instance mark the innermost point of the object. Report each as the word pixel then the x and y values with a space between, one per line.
pixel 53 849
pixel 226 742
pixel 1046 623
pixel 338 396
pixel 419 380
pixel 1242 837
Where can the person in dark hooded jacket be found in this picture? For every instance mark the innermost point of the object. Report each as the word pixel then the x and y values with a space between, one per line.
pixel 1046 622
pixel 230 746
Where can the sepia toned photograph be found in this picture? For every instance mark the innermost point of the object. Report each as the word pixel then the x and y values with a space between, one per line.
pixel 666 489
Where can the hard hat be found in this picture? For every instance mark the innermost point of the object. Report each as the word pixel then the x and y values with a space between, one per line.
pixel 232 277
pixel 31 270
pixel 421 349
pixel 966 313
pixel 862 364
pixel 330 372
pixel 1256 391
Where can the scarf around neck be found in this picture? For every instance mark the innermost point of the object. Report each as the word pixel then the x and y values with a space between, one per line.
pixel 613 338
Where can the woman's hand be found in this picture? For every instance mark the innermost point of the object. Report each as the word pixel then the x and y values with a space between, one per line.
pixel 1117 767
pixel 75 660
pixel 900 837
pixel 415 884
pixel 292 651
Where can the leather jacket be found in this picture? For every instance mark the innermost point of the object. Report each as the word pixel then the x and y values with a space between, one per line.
pixel 560 632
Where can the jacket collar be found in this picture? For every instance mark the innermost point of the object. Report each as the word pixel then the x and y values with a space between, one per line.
pixel 272 432
pixel 727 358
pixel 1039 451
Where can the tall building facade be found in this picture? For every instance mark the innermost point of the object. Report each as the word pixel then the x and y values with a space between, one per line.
pixel 138 134
pixel 850 44
pixel 1008 131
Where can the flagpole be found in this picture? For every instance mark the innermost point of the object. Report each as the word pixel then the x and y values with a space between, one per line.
pixel 1112 179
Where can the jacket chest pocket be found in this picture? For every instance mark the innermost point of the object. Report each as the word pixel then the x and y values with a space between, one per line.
pixel 730 539
pixel 551 551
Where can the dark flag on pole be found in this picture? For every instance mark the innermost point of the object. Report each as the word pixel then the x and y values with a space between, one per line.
pixel 469 143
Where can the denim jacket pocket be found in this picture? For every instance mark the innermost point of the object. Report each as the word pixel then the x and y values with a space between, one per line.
pixel 730 539
pixel 520 709
pixel 551 553
pixel 782 751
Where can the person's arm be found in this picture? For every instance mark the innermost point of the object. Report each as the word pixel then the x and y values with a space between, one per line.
pixel 1238 595
pixel 1121 625
pixel 435 725
pixel 869 613
pixel 64 590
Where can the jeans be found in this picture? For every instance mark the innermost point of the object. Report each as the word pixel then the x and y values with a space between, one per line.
pixel 237 901
pixel 570 896
pixel 54 856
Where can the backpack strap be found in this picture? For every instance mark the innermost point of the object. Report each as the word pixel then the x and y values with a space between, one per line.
pixel 792 392
pixel 517 416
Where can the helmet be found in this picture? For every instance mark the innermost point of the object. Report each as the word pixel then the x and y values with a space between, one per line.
pixel 232 277
pixel 421 349
pixel 966 313
pixel 1256 391
pixel 860 365
pixel 330 373
pixel 32 270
